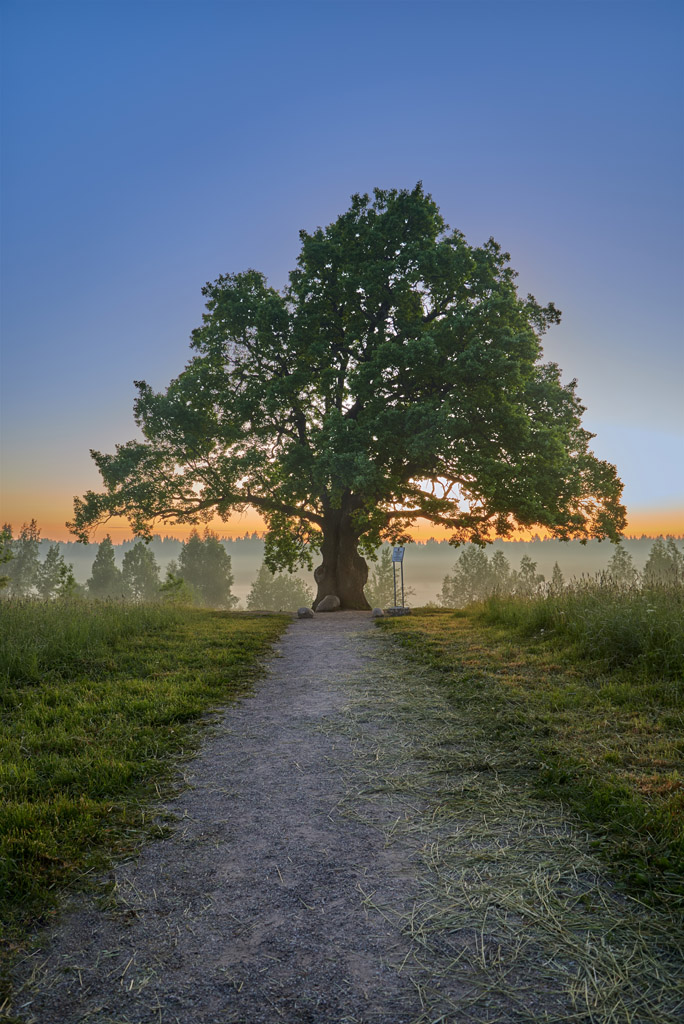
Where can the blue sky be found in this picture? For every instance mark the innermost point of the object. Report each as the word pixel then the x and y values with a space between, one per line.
pixel 150 146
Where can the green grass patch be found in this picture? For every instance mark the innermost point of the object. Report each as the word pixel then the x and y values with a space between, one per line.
pixel 97 704
pixel 608 741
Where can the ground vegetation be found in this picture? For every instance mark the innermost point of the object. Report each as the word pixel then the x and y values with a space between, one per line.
pixel 589 684
pixel 98 703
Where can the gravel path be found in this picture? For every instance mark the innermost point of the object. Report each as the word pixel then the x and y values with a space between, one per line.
pixel 251 911
pixel 293 887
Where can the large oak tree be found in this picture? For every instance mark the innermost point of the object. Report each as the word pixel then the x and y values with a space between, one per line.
pixel 397 376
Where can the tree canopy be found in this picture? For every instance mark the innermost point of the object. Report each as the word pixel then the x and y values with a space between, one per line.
pixel 397 376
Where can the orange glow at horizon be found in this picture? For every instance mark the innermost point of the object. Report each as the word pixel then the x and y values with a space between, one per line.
pixel 647 521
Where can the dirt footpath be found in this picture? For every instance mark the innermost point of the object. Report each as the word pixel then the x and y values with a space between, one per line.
pixel 347 852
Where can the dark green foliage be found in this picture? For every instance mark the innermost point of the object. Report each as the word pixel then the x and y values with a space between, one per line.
pixel 278 592
pixel 205 566
pixel 54 578
pixel 106 581
pixel 140 574
pixel 174 590
pixel 22 569
pixel 397 376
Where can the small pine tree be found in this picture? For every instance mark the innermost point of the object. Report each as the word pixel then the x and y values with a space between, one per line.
pixel 557 584
pixel 621 567
pixel 174 589
pixel 191 563
pixel 665 564
pixel 140 574
pixel 206 566
pixel 379 589
pixel 676 560
pixel 54 577
pixel 527 580
pixel 278 592
pixel 68 587
pixel 218 578
pixel 106 581
pixel 22 570
pixel 501 577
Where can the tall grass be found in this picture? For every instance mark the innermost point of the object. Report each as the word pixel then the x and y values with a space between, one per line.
pixel 52 638
pixel 642 628
pixel 97 703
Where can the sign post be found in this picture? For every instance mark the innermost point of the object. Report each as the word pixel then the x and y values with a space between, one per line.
pixel 398 560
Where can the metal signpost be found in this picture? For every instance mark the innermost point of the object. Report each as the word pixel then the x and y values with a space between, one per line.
pixel 398 559
pixel 398 556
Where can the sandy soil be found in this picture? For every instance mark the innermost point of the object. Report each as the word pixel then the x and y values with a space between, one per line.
pixel 291 883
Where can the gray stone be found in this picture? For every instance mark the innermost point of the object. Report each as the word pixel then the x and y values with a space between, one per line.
pixel 329 604
pixel 377 613
pixel 305 613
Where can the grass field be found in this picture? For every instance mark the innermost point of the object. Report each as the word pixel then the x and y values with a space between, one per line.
pixel 602 718
pixel 98 702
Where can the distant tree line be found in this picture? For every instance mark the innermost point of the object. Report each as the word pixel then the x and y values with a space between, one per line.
pixel 278 592
pixel 201 574
pixel 476 577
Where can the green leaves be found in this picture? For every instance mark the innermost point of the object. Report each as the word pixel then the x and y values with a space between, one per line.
pixel 397 354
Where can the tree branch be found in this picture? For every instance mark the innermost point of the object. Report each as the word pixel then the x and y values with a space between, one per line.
pixel 269 505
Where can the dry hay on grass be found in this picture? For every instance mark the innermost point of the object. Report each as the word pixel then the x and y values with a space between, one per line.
pixel 514 913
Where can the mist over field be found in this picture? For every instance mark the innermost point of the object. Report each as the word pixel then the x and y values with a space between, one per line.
pixel 426 563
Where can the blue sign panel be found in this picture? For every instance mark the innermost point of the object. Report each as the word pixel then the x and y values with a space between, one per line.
pixel 397 554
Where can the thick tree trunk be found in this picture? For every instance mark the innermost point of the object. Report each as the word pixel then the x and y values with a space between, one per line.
pixel 343 572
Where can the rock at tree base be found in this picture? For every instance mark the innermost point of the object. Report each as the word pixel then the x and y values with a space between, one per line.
pixel 377 613
pixel 397 611
pixel 305 613
pixel 329 604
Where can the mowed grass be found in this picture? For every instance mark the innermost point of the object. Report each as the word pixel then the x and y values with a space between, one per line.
pixel 603 730
pixel 98 702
